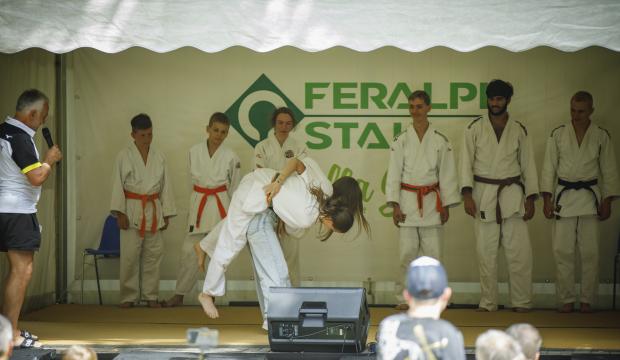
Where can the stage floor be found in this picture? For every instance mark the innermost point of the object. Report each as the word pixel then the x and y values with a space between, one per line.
pixel 109 326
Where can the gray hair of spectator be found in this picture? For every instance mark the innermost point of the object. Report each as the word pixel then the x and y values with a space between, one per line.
pixel 497 345
pixel 6 335
pixel 30 98
pixel 528 337
pixel 77 352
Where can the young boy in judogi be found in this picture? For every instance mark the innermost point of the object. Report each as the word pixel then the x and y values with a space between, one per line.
pixel 273 153
pixel 215 172
pixel 578 183
pixel 143 203
pixel 499 186
pixel 422 184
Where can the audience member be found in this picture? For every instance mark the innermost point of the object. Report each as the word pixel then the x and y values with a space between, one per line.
pixel 420 334
pixel 77 352
pixel 528 338
pixel 497 345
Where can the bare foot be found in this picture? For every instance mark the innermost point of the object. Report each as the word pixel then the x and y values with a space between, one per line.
pixel 566 308
pixel 153 304
pixel 176 300
pixel 585 308
pixel 202 256
pixel 208 305
pixel 126 305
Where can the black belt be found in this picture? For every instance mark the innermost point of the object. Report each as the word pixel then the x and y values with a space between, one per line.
pixel 575 185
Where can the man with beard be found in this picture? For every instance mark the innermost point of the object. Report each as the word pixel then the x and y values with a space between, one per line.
pixel 499 186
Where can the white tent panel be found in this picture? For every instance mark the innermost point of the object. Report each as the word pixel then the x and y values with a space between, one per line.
pixel 312 25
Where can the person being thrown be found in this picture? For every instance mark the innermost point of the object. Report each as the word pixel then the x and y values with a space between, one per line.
pixel 305 195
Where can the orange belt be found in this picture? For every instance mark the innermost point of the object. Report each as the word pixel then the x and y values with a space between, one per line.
pixel 144 199
pixel 422 191
pixel 206 193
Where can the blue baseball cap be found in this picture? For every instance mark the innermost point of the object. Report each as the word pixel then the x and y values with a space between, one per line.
pixel 426 278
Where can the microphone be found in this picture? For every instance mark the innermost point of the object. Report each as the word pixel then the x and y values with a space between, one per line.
pixel 48 137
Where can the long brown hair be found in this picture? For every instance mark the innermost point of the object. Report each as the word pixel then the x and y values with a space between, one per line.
pixel 349 190
pixel 334 208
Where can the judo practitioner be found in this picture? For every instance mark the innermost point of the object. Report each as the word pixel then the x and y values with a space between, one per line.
pixel 266 229
pixel 422 183
pixel 499 186
pixel 272 153
pixel 143 203
pixel 215 173
pixel 578 183
pixel 304 198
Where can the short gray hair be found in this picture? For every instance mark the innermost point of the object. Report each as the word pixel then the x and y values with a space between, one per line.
pixel 29 98
pixel 528 337
pixel 497 345
pixel 6 335
pixel 78 352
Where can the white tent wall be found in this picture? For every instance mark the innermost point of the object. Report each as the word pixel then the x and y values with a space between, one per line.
pixel 312 25
pixel 34 68
pixel 180 90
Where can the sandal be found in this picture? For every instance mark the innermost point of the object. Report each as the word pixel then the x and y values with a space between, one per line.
pixel 28 335
pixel 28 343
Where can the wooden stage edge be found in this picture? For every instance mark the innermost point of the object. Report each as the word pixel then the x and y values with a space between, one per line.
pixel 239 326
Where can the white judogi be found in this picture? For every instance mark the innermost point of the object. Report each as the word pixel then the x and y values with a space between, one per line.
pixel 294 205
pixel 207 172
pixel 133 175
pixel 483 155
pixel 270 154
pixel 577 222
pixel 420 163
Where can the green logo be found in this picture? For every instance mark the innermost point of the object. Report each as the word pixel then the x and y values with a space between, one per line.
pixel 250 115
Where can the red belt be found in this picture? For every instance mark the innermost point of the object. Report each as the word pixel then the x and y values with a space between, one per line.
pixel 422 191
pixel 144 199
pixel 206 193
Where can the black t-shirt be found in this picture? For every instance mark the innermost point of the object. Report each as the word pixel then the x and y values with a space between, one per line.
pixel 23 151
pixel 402 337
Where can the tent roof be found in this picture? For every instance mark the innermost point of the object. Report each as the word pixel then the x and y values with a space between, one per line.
pixel 312 25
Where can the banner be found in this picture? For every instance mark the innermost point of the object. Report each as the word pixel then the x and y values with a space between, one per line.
pixel 349 106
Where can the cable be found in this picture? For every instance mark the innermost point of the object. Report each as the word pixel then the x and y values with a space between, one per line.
pixel 344 341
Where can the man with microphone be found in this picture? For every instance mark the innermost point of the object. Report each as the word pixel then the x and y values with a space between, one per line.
pixel 21 177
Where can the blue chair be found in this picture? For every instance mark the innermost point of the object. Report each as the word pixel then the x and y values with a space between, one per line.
pixel 109 247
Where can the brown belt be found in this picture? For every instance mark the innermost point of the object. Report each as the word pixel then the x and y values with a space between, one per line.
pixel 502 184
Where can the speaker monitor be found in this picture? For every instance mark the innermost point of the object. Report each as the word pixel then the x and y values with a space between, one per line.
pixel 318 319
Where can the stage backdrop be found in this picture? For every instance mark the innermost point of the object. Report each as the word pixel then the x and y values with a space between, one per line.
pixel 350 106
